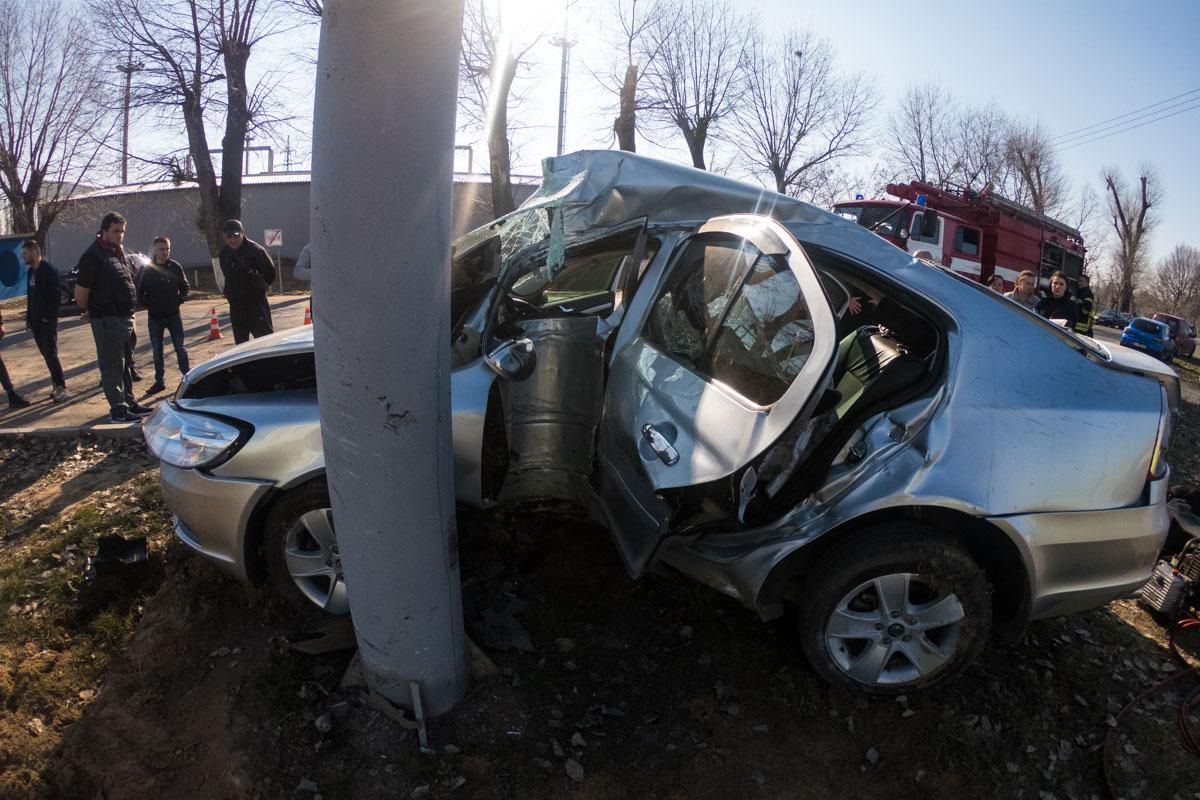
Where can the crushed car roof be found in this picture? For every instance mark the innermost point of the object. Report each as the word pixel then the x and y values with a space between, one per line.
pixel 603 188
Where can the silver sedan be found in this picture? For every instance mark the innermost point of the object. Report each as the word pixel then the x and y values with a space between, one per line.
pixel 773 400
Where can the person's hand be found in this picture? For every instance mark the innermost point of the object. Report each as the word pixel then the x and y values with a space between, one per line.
pixel 1 330
pixel 855 306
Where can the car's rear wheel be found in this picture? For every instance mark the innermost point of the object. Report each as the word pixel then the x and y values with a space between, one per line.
pixel 301 552
pixel 894 609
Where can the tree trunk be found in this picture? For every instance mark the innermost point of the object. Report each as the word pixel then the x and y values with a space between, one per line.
pixel 209 218
pixel 695 145
pixel 237 120
pixel 626 122
pixel 780 176
pixel 499 161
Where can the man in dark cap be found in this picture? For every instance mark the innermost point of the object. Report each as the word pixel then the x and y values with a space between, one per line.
pixel 248 271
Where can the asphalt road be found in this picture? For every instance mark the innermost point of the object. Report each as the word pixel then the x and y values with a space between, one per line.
pixel 85 405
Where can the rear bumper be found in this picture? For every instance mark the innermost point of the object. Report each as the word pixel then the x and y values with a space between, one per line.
pixel 212 514
pixel 1081 560
pixel 1156 351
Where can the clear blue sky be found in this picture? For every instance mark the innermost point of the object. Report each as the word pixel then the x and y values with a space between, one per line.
pixel 1065 64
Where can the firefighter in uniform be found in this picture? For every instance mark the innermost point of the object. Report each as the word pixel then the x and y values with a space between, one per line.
pixel 1087 306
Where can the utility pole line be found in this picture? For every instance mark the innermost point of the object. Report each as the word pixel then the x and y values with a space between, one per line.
pixel 129 67
pixel 566 45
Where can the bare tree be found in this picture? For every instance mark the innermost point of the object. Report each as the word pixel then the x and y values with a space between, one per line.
pixel 921 135
pixel 186 46
pixel 694 82
pixel 635 19
pixel 1088 218
pixel 1131 217
pixel 977 141
pixel 313 8
pixel 1175 283
pixel 53 125
pixel 798 114
pixel 1038 174
pixel 487 70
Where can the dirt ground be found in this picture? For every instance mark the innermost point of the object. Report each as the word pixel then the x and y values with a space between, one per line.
pixel 177 682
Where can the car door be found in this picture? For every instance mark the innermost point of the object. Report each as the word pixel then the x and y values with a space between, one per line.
pixel 734 345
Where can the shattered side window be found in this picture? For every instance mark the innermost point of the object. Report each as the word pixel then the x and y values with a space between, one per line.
pixel 688 312
pixel 737 316
pixel 767 336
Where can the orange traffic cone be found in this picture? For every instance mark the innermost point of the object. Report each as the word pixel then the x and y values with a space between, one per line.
pixel 308 315
pixel 214 328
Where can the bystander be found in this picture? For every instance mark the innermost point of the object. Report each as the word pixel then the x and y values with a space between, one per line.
pixel 248 271
pixel 162 288
pixel 41 313
pixel 105 294
pixel 14 400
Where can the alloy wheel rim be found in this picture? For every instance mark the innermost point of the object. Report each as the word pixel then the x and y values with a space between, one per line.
pixel 314 562
pixel 894 630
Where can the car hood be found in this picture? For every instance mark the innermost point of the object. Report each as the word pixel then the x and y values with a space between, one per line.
pixel 293 340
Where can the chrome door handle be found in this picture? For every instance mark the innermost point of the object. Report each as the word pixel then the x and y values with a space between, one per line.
pixel 665 451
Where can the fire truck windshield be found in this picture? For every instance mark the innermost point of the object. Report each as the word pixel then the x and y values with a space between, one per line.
pixel 884 220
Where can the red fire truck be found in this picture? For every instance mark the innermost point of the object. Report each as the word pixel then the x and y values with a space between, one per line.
pixel 975 234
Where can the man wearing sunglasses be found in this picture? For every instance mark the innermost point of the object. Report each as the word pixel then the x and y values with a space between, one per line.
pixel 248 271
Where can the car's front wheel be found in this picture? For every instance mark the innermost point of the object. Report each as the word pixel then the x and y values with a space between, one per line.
pixel 894 609
pixel 301 552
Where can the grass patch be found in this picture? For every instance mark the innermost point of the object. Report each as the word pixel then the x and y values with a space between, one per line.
pixel 58 631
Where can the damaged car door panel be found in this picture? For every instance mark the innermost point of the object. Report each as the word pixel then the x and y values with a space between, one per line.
pixel 744 388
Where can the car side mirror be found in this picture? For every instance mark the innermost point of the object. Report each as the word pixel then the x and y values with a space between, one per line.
pixel 513 360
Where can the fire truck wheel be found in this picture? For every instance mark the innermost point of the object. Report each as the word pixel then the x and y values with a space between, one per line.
pixel 895 608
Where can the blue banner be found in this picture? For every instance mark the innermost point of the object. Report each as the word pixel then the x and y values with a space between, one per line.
pixel 12 267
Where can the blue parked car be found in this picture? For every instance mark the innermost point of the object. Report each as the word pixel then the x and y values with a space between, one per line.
pixel 1150 336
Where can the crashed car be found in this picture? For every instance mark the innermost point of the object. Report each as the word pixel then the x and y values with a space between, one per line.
pixel 750 390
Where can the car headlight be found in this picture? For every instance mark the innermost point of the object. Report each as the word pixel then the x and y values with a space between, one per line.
pixel 189 440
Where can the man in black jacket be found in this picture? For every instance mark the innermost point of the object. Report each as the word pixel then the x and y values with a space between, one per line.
pixel 41 313
pixel 105 293
pixel 248 271
pixel 162 287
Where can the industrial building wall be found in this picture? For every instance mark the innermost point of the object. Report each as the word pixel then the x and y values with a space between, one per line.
pixel 285 205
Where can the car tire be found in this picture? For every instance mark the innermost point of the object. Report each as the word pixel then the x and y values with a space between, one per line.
pixel 300 551
pixel 855 637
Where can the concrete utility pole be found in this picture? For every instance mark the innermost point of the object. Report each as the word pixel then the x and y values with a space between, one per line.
pixel 566 45
pixel 129 67
pixel 387 72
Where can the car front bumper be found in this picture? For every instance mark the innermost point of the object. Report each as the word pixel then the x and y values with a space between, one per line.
pixel 212 514
pixel 1081 560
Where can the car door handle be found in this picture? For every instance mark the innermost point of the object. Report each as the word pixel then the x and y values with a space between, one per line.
pixel 665 451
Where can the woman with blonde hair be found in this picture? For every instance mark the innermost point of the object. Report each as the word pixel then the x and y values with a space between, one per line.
pixel 1025 290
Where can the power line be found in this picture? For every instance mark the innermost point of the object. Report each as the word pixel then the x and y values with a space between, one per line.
pixel 1085 128
pixel 1139 117
pixel 1131 127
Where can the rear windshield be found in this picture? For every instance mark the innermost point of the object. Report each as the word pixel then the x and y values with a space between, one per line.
pixel 1172 324
pixel 1147 326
